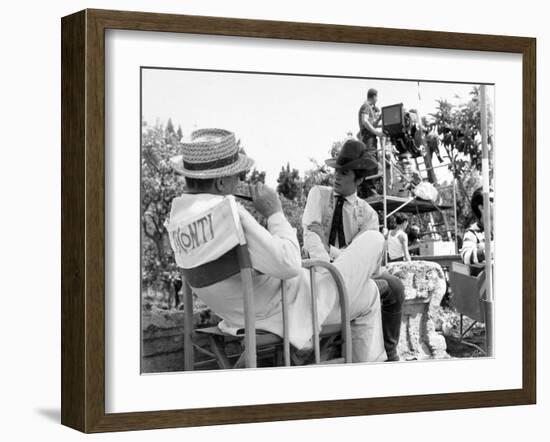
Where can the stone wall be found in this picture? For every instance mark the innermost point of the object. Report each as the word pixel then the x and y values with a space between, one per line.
pixel 162 339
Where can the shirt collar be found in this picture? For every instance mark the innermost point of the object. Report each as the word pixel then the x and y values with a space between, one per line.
pixel 475 227
pixel 350 198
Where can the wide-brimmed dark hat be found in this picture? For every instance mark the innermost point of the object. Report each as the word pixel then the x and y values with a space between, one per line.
pixel 353 156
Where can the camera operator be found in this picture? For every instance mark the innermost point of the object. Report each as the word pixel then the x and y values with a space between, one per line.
pixel 369 118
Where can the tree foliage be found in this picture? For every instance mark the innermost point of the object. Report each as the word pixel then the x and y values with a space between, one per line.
pixel 294 210
pixel 470 183
pixel 318 175
pixel 255 176
pixel 289 183
pixel 170 127
pixel 159 185
pixel 459 132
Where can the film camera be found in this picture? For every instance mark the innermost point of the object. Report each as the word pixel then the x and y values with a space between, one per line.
pixel 403 129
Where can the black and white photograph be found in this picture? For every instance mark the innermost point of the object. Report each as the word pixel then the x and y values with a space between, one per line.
pixel 270 221
pixel 254 221
pixel 294 220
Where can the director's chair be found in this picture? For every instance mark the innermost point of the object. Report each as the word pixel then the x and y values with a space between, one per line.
pixel 212 262
pixel 468 285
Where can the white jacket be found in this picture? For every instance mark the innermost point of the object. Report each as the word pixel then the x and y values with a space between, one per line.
pixel 275 256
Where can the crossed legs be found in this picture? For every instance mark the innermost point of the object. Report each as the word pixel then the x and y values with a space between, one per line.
pixel 357 263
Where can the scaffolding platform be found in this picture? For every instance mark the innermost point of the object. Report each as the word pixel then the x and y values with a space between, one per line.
pixel 405 204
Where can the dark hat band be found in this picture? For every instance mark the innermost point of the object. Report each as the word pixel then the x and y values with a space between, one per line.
pixel 216 164
pixel 342 161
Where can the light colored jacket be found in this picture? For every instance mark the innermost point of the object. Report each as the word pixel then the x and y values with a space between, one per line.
pixel 357 216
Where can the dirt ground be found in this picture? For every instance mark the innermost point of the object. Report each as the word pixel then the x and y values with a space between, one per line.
pixel 473 342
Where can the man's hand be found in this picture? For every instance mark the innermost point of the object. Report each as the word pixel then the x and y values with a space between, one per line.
pixel 318 229
pixel 266 201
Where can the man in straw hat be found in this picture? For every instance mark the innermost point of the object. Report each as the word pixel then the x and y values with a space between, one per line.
pixel 211 164
pixel 335 219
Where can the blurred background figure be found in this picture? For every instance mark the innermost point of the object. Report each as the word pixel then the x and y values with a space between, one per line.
pixel 473 245
pixel 414 240
pixel 398 241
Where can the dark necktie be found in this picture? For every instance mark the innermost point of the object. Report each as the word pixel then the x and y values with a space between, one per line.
pixel 337 227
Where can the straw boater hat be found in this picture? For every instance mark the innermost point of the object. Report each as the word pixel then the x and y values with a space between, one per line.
pixel 211 153
pixel 353 156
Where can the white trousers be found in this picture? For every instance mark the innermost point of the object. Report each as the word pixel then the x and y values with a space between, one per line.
pixel 357 263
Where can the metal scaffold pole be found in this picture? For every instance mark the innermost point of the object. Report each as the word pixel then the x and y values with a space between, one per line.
pixel 489 297
pixel 382 141
pixel 455 215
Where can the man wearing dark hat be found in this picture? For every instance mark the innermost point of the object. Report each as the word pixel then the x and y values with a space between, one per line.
pixel 334 217
pixel 211 164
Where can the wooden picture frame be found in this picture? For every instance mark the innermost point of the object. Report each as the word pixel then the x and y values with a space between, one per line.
pixel 83 220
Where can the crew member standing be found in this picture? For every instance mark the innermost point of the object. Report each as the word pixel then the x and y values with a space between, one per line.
pixel 369 119
pixel 473 245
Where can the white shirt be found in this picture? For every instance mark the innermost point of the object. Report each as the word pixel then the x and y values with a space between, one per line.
pixel 275 256
pixel 396 241
pixel 357 216
pixel 473 237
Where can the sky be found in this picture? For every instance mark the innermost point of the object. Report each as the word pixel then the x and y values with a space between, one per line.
pixel 280 118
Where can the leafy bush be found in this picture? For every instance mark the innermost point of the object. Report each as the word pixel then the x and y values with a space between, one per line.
pixel 159 186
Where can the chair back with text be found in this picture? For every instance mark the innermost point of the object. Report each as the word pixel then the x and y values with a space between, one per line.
pixel 210 246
